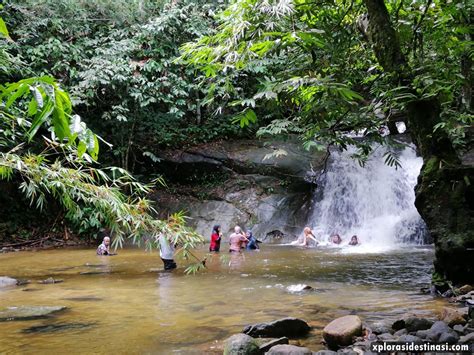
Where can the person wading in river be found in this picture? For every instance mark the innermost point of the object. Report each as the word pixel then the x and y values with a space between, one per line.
pixel 167 252
pixel 308 234
pixel 216 237
pixel 104 248
pixel 237 240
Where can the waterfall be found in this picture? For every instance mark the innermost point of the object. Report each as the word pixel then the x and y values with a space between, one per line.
pixel 375 202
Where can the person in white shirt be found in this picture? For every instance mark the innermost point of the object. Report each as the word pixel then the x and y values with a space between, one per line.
pixel 167 252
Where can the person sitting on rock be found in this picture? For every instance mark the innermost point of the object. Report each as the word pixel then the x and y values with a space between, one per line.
pixel 167 252
pixel 354 240
pixel 216 237
pixel 308 234
pixel 104 248
pixel 253 242
pixel 237 240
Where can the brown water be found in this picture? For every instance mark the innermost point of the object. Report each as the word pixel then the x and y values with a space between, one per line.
pixel 132 307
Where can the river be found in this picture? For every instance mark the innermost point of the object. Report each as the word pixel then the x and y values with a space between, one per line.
pixel 126 304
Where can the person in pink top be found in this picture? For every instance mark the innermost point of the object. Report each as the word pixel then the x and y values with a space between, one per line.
pixel 237 240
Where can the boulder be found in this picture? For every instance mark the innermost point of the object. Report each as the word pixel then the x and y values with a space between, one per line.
pixel 241 344
pixel 436 330
pixel 6 281
pixel 450 337
pixel 28 312
pixel 400 332
pixel 289 350
pixel 285 327
pixel 325 352
pixel 341 331
pixel 452 316
pixel 270 344
pixel 464 289
pixel 379 328
pixel 412 323
pixel 458 328
pixel 467 339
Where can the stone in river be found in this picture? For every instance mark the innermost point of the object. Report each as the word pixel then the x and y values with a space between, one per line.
pixel 285 327
pixel 379 328
pixel 341 331
pixel 464 289
pixel 53 328
pixel 412 323
pixel 436 330
pixel 83 299
pixel 452 316
pixel 467 339
pixel 450 337
pixel 270 344
pixel 288 350
pixel 94 272
pixel 6 281
pixel 241 344
pixel 28 312
pixel 50 281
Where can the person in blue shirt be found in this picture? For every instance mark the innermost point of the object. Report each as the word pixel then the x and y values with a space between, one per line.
pixel 253 242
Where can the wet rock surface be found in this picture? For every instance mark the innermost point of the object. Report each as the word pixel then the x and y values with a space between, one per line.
pixel 341 331
pixel 6 281
pixel 241 344
pixel 289 350
pixel 28 312
pixel 285 327
pixel 54 328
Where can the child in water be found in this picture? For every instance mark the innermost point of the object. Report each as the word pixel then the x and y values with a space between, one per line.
pixel 167 252
pixel 308 234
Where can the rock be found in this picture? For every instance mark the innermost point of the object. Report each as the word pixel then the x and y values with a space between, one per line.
pixel 379 328
pixel 412 323
pixel 386 337
pixel 458 328
pixel 268 345
pixel 409 338
pixel 50 280
pixel 422 334
pixel 341 331
pixel 241 344
pixel 298 288
pixel 436 330
pixel 467 339
pixel 6 281
pixel 94 272
pixel 400 332
pixel 54 328
pixel 28 312
pixel 289 327
pixel 450 337
pixel 464 289
pixel 289 350
pixel 452 316
pixel 325 352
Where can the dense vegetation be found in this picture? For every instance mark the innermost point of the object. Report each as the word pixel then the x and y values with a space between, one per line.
pixel 147 75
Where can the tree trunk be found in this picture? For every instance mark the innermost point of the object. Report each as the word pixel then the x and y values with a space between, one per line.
pixel 445 186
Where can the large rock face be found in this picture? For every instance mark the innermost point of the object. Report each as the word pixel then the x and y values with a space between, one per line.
pixel 444 198
pixel 341 331
pixel 233 184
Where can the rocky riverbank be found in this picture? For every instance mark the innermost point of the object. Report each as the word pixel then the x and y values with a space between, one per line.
pixel 351 335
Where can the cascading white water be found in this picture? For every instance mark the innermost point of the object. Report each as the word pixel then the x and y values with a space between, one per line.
pixel 375 202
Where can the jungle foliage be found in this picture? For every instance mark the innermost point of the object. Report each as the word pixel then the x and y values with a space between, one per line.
pixel 51 155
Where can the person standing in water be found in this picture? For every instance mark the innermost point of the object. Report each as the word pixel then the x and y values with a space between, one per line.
pixel 216 237
pixel 308 234
pixel 167 252
pixel 236 240
pixel 253 242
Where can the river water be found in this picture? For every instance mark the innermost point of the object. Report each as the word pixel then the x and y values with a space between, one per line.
pixel 126 304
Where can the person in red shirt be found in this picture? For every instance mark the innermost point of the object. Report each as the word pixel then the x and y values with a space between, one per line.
pixel 216 237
